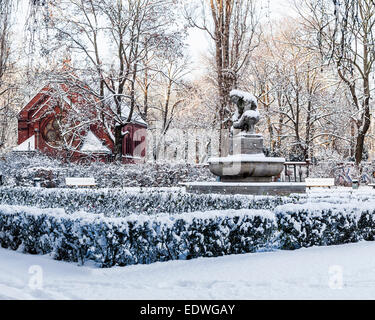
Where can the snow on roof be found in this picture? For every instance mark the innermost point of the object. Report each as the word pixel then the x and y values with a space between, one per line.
pixel 46 90
pixel 246 96
pixel 125 110
pixel 27 145
pixel 91 143
pixel 32 96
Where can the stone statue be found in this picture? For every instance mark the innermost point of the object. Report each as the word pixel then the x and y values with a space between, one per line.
pixel 246 116
pixel 246 169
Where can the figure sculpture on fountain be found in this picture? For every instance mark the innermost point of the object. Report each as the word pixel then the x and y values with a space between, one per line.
pixel 246 161
pixel 246 169
pixel 246 116
pixel 243 138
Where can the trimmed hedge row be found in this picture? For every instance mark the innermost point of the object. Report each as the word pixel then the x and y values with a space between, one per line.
pixel 20 170
pixel 136 239
pixel 324 224
pixel 119 203
pixel 144 239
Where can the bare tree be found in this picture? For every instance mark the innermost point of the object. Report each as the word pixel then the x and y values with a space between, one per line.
pixel 233 27
pixel 169 97
pixel 344 33
pixel 297 97
pixel 8 89
pixel 109 42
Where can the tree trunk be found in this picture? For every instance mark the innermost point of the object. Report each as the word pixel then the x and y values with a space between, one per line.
pixel 118 143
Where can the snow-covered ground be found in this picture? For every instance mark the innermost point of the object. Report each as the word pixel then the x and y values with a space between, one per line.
pixel 337 272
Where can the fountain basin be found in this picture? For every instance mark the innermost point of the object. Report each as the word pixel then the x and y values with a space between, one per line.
pixel 246 167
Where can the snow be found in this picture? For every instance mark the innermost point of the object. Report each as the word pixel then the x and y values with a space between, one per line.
pixel 300 274
pixel 72 181
pixel 243 184
pixel 259 157
pixel 27 145
pixel 7 209
pixel 91 143
pixel 125 111
pixel 251 114
pixel 340 194
pixel 246 96
pixel 316 208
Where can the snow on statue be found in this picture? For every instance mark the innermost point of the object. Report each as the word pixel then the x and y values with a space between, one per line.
pixel 246 115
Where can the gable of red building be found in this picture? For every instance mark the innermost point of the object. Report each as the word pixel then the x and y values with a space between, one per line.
pixel 40 122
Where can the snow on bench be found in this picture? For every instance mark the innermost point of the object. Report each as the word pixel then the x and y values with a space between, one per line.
pixel 320 182
pixel 80 182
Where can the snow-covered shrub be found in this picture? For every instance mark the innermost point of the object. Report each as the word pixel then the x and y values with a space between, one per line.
pixel 143 239
pixel 321 224
pixel 117 202
pixel 20 226
pixel 367 224
pixel 344 172
pixel 80 237
pixel 21 169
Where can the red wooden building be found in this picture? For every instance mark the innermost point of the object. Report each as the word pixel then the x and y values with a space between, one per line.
pixel 41 120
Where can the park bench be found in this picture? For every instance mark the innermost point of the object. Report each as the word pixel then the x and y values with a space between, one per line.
pixel 320 182
pixel 80 182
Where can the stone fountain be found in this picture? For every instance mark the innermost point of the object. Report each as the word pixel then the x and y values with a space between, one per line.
pixel 246 170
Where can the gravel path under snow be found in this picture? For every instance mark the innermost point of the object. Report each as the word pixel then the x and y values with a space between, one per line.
pixel 300 274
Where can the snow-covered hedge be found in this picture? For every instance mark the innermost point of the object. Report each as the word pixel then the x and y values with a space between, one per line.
pixel 322 224
pixel 80 237
pixel 20 170
pixel 117 202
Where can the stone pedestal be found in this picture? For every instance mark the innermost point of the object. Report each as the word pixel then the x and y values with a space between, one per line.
pixel 261 189
pixel 246 144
